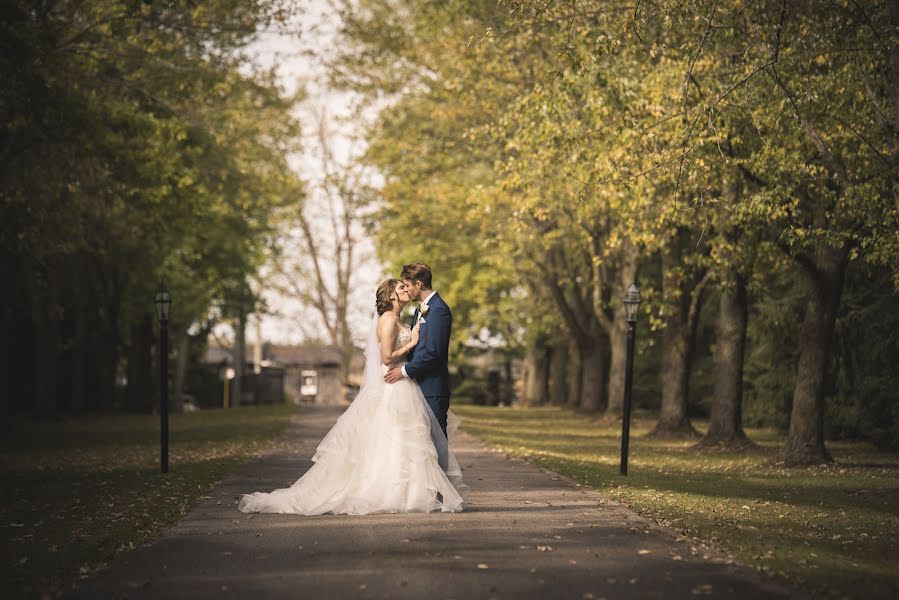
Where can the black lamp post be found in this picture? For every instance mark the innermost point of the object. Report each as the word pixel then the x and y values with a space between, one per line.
pixel 631 304
pixel 163 301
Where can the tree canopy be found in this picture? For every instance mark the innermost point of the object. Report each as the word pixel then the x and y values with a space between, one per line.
pixel 138 145
pixel 545 155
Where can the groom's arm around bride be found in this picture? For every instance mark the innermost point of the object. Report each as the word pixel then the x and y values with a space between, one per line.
pixel 431 357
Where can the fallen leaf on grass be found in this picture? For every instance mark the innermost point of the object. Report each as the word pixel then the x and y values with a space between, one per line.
pixel 643 552
pixel 483 566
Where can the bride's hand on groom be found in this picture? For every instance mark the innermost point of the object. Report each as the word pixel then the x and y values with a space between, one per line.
pixel 415 334
pixel 393 375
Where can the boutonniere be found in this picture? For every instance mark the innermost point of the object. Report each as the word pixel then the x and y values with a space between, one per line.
pixel 423 309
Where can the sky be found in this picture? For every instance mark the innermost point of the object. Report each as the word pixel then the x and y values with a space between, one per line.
pixel 296 57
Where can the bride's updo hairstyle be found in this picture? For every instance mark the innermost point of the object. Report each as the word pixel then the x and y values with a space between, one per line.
pixel 383 295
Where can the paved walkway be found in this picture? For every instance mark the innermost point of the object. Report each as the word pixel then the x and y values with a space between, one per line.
pixel 527 534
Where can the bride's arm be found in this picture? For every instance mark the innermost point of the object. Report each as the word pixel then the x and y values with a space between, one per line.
pixel 387 326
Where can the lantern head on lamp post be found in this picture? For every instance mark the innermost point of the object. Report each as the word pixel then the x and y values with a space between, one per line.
pixel 631 306
pixel 163 301
pixel 631 303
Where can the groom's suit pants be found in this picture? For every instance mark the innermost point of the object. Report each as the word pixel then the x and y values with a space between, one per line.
pixel 439 406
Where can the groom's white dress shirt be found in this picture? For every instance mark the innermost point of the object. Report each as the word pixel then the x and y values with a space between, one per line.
pixel 423 303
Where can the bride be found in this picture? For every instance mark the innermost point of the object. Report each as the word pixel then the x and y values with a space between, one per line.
pixel 381 455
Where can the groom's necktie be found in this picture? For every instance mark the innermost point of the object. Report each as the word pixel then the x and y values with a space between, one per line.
pixel 415 318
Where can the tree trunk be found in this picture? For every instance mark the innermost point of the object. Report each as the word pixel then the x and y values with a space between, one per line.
pixel 894 84
pixel 725 424
pixel 78 356
pixel 529 378
pixel 109 347
pixel 8 351
pixel 673 419
pixel 894 66
pixel 177 401
pixel 627 274
pixel 805 441
pixel 139 393
pixel 574 372
pixel 679 292
pixel 558 383
pixel 535 374
pixel 595 359
pixel 239 357
pixel 542 388
pixel 44 304
pixel 529 394
pixel 107 370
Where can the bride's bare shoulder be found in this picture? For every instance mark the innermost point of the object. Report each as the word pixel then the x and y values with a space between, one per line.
pixel 387 322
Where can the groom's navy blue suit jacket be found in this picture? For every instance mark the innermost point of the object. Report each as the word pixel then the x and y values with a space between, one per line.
pixel 428 360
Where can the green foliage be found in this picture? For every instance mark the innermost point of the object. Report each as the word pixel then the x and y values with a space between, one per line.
pixel 136 146
pixel 528 145
pixel 863 394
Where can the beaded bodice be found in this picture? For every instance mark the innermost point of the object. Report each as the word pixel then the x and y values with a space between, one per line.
pixel 403 337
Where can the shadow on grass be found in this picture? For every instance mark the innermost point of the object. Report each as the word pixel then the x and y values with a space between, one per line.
pixel 104 431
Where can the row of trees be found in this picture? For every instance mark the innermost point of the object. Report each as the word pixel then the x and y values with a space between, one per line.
pixel 545 155
pixel 137 144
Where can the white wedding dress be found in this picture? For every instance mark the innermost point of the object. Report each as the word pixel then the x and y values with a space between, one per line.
pixel 380 456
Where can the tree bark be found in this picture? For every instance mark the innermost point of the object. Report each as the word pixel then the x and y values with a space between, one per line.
pixel 107 369
pixel 894 64
pixel 558 382
pixel 109 341
pixel 627 274
pixel 8 371
pixel 529 372
pixel 536 379
pixel 44 304
pixel 542 374
pixel 78 355
pixel 177 401
pixel 805 440
pixel 682 295
pixel 574 373
pixel 239 357
pixel 725 423
pixel 139 393
pixel 894 81
pixel 595 362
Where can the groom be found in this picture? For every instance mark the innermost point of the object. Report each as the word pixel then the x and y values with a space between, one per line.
pixel 428 360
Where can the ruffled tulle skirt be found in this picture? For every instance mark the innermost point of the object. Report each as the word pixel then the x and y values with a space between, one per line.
pixel 380 457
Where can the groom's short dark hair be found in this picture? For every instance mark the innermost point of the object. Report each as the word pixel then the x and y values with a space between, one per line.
pixel 418 272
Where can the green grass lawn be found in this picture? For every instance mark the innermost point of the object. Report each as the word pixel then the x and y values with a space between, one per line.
pixel 832 527
pixel 73 494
